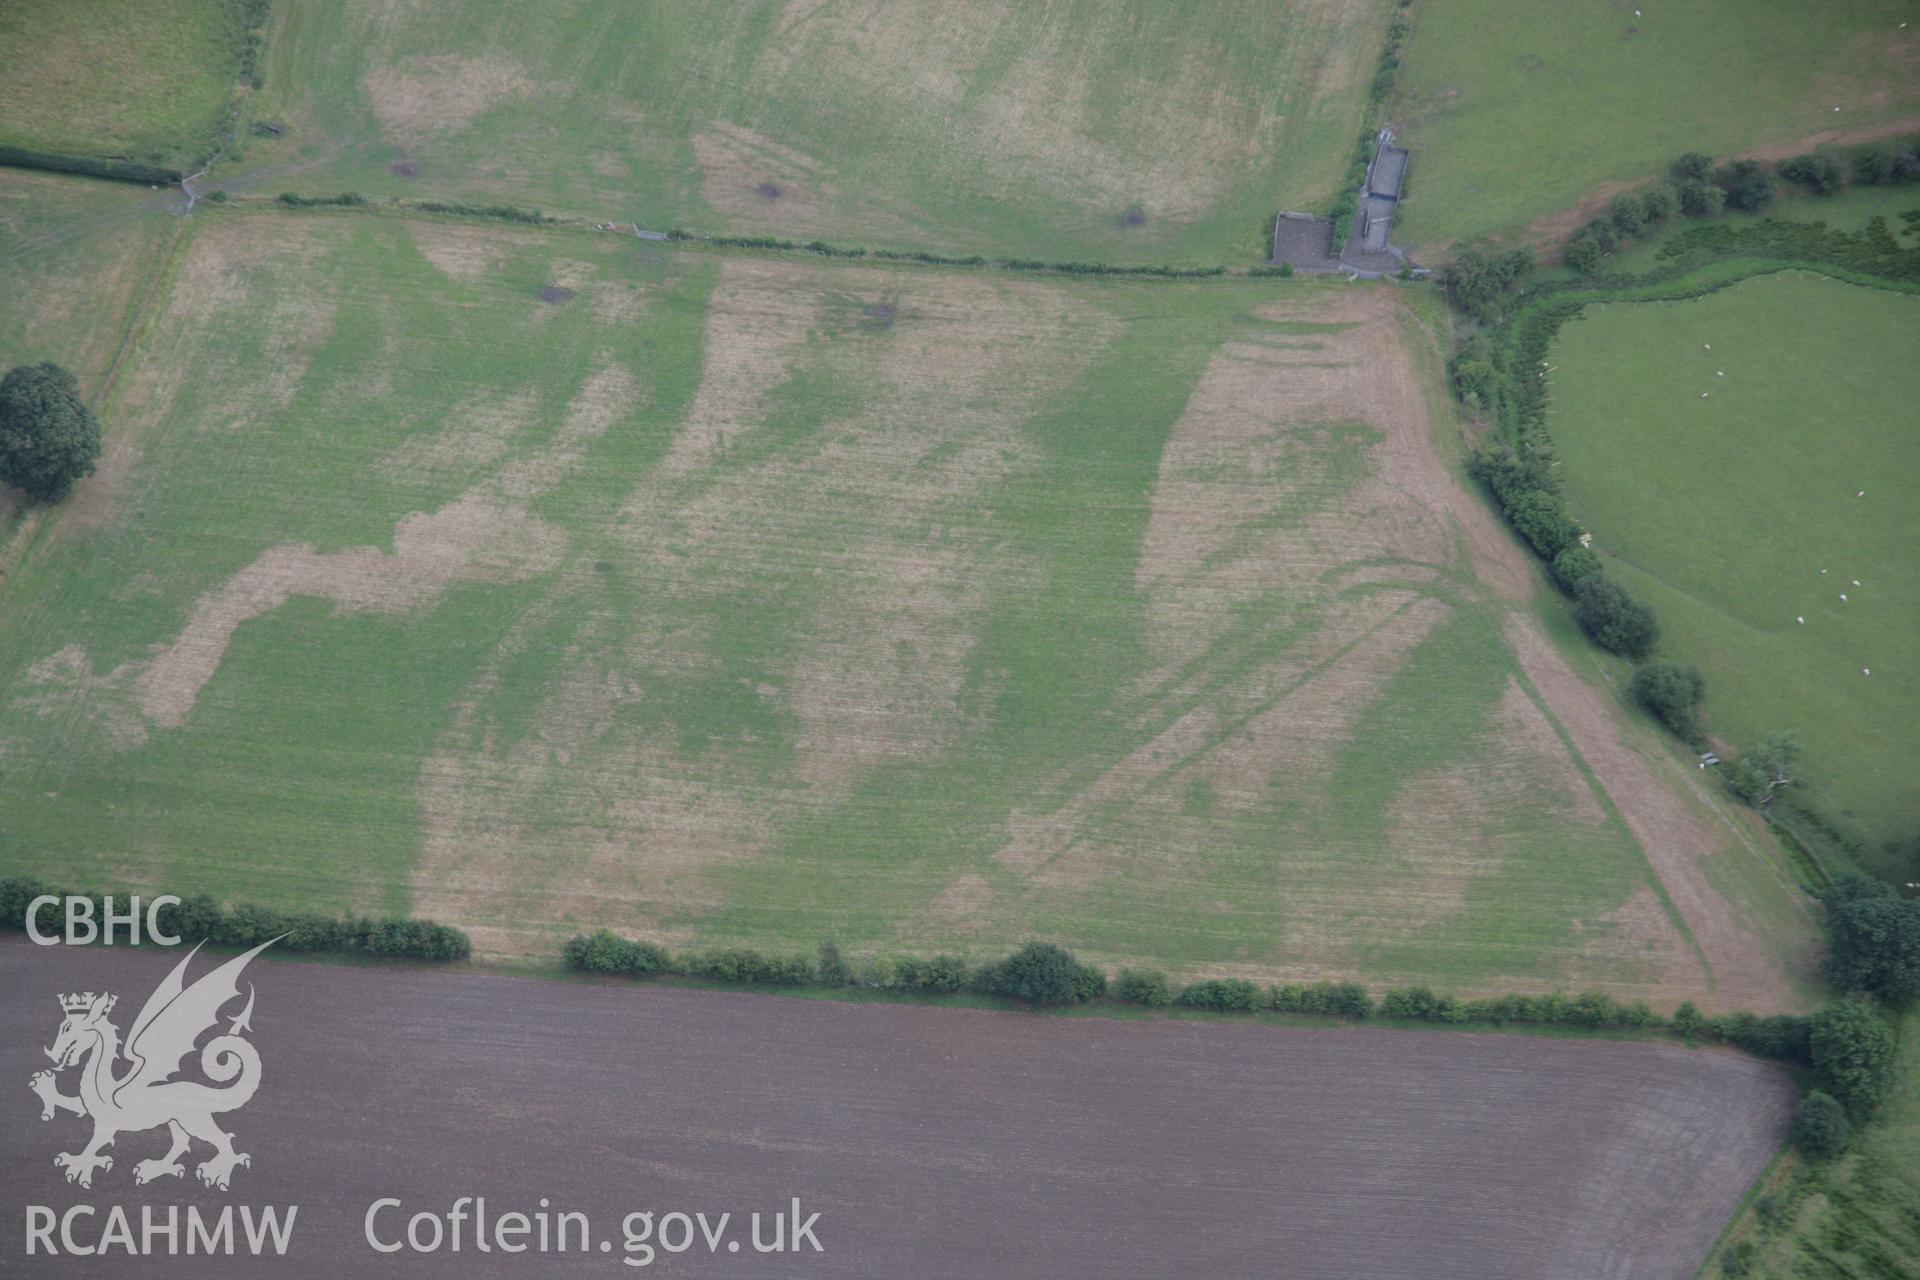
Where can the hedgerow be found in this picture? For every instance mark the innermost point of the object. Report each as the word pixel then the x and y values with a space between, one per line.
pixel 292 200
pixel 91 166
pixel 504 212
pixel 248 925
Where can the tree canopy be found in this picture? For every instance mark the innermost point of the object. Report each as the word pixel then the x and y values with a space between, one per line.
pixel 1853 1049
pixel 1820 1128
pixel 1873 939
pixel 1673 692
pixel 48 437
pixel 1040 973
pixel 1616 621
pixel 1767 768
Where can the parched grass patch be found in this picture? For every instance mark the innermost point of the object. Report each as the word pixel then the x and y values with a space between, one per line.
pixel 1722 486
pixel 1132 132
pixel 1516 109
pixel 1133 615
pixel 145 80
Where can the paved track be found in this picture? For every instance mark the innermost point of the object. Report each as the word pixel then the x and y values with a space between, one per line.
pixel 933 1143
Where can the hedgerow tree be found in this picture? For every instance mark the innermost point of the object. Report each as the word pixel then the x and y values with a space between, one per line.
pixel 1616 621
pixel 1693 167
pixel 1701 199
pixel 1873 939
pixel 1658 202
pixel 48 437
pixel 1541 518
pixel 1039 973
pixel 1673 692
pixel 1769 767
pixel 1583 254
pixel 1853 1049
pixel 1574 566
pixel 1627 214
pixel 1746 183
pixel 1475 282
pixel 1820 1127
pixel 1819 174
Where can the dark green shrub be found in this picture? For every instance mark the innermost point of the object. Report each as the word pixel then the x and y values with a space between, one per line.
pixel 1852 1046
pixel 833 970
pixel 1226 995
pixel 1693 167
pixel 744 965
pixel 1347 999
pixel 1658 202
pixel 1617 622
pixel 1765 769
pixel 48 437
pixel 1673 692
pixel 1746 183
pixel 1473 377
pixel 1873 165
pixel 940 975
pixel 1540 517
pixel 1574 566
pixel 604 952
pixel 1818 173
pixel 1820 1127
pixel 200 918
pixel 1873 939
pixel 1040 974
pixel 1584 254
pixel 1627 215
pixel 1143 986
pixel 1701 199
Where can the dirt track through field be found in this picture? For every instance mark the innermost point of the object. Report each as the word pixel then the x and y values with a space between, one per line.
pixel 932 1142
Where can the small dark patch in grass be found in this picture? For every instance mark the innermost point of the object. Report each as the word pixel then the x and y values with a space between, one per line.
pixel 404 169
pixel 769 191
pixel 1134 216
pixel 1532 62
pixel 554 294
pixel 879 316
pixel 603 566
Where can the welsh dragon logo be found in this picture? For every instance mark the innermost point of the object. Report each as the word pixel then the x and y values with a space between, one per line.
pixel 145 1095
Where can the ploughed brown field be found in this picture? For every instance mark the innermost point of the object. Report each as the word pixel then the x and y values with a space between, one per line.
pixel 932 1142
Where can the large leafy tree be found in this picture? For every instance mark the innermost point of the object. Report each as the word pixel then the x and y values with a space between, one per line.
pixel 1041 973
pixel 1853 1050
pixel 1673 692
pixel 1873 939
pixel 1616 621
pixel 48 437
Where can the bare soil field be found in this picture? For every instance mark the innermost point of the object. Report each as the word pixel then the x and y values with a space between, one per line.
pixel 933 1143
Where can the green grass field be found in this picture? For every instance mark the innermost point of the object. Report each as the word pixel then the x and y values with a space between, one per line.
pixel 1126 131
pixel 99 78
pixel 1516 109
pixel 734 600
pixel 1724 511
